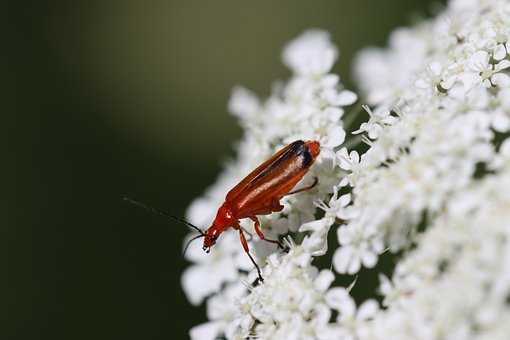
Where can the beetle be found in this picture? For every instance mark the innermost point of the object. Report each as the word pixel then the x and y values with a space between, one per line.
pixel 259 193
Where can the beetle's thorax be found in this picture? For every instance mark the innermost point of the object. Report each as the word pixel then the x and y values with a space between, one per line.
pixel 224 217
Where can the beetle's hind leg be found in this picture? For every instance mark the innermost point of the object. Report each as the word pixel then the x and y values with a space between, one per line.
pixel 311 186
pixel 261 234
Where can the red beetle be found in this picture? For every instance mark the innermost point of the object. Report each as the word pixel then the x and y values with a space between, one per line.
pixel 259 193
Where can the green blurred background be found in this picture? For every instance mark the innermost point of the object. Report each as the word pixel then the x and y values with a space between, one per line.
pixel 106 98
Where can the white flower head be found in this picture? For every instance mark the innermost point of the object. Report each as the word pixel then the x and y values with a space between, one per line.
pixel 429 186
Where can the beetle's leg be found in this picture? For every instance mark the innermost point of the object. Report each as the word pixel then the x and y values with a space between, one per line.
pixel 247 251
pixel 238 226
pixel 311 186
pixel 261 234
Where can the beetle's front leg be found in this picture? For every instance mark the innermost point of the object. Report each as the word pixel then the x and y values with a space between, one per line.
pixel 261 234
pixel 247 250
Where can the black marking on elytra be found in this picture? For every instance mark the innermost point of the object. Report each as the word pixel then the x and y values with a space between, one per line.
pixel 307 158
pixel 295 149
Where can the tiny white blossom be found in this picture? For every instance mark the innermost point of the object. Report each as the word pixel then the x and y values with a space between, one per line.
pixel 500 51
pixel 352 320
pixel 310 54
pixel 378 119
pixel 357 248
pixel 481 70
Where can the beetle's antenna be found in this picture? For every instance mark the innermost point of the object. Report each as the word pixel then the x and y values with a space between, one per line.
pixel 162 213
pixel 189 242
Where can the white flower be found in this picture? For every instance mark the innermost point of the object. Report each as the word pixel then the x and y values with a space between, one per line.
pixel 212 270
pixel 501 117
pixel 317 242
pixel 221 311
pixel 501 50
pixel 349 161
pixel 352 320
pixel 310 54
pixel 481 70
pixel 357 248
pixel 378 119
pixel 338 206
pixel 244 104
pixel 436 78
pixel 334 137
pixel 389 71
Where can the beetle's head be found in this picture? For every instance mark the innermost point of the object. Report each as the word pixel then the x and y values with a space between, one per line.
pixel 224 219
pixel 211 235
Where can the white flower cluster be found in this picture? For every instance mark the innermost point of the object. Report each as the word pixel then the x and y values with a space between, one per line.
pixel 438 156
pixel 431 132
pixel 456 283
pixel 308 107
pixel 433 188
pixel 295 302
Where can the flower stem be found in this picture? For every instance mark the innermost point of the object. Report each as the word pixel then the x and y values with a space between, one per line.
pixel 350 117
pixel 353 142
